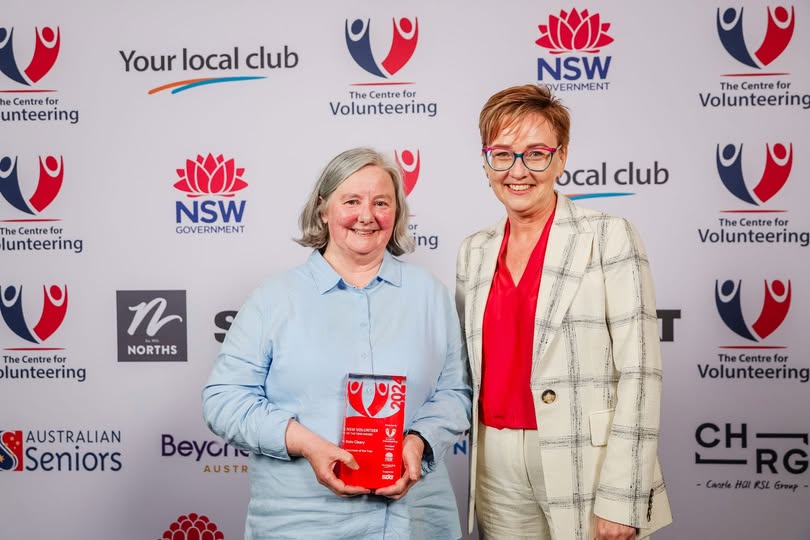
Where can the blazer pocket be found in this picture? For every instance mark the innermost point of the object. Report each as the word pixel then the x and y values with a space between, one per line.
pixel 600 426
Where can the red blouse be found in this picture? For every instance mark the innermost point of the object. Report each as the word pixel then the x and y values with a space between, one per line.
pixel 508 341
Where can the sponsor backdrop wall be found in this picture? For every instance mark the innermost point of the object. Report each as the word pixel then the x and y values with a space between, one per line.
pixel 154 157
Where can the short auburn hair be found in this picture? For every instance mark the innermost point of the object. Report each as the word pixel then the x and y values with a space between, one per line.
pixel 515 103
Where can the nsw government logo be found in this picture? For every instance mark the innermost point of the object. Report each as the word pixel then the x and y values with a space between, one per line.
pixel 152 326
pixel 574 39
pixel 40 50
pixel 756 358
pixel 410 165
pixel 210 185
pixel 35 318
pixel 382 56
pixel 757 85
pixel 27 191
pixel 755 178
pixel 191 526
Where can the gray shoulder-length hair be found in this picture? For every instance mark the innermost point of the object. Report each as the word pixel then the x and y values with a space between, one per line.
pixel 315 233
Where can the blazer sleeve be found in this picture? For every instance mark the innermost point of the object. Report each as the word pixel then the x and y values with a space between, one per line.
pixel 626 489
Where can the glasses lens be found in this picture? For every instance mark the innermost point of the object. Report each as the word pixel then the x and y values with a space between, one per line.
pixel 500 159
pixel 537 159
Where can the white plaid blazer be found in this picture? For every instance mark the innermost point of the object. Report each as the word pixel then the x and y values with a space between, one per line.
pixel 596 347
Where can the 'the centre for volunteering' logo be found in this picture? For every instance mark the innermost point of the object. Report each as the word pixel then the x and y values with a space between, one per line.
pixel 755 178
pixel 210 207
pixel 60 450
pixel 410 165
pixel 152 326
pixel 758 357
pixel 226 65
pixel 35 318
pixel 756 87
pixel 574 40
pixel 27 192
pixel 31 105
pixel 387 94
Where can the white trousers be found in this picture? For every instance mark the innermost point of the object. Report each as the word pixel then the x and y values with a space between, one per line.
pixel 510 499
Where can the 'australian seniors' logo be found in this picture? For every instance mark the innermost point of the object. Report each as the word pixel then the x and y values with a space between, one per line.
pixel 48 184
pixel 570 33
pixel 778 33
pixel 50 318
pixel 46 51
pixel 775 306
pixel 11 450
pixel 217 180
pixel 778 163
pixel 404 37
pixel 409 165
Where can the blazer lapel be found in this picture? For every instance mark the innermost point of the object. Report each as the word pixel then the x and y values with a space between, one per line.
pixel 567 255
pixel 483 259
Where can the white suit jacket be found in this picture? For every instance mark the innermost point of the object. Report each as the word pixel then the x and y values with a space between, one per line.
pixel 596 348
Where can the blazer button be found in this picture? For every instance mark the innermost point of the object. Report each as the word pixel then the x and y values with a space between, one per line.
pixel 548 396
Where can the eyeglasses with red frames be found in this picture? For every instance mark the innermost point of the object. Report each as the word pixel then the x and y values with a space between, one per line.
pixel 536 159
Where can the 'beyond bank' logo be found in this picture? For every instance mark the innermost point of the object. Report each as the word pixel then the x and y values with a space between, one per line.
pixel 778 162
pixel 778 33
pixel 775 306
pixel 405 35
pixel 46 52
pixel 51 173
pixel 52 314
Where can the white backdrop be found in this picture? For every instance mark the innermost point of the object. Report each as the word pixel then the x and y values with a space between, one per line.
pixel 102 435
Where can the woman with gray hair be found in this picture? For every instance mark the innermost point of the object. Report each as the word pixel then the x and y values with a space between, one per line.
pixel 278 388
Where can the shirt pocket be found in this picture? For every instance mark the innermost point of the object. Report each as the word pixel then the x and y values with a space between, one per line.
pixel 600 426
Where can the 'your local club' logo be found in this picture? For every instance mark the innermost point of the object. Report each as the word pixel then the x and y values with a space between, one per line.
pixel 774 308
pixel 778 33
pixel 46 51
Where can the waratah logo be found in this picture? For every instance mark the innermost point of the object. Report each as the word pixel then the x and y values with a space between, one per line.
pixel 11 450
pixel 193 526
pixel 48 184
pixel 575 31
pixel 210 176
pixel 775 306
pixel 409 166
pixel 405 35
pixel 778 162
pixel 46 51
pixel 778 33
pixel 54 308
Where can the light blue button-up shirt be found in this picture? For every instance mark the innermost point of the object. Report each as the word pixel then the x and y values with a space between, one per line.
pixel 287 355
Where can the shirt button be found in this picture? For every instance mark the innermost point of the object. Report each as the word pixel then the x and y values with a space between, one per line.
pixel 548 396
pixel 362 355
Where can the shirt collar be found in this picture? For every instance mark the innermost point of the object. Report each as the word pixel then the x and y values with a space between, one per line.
pixel 327 279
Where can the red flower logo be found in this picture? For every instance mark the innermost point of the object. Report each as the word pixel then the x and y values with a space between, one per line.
pixel 575 31
pixel 193 527
pixel 210 176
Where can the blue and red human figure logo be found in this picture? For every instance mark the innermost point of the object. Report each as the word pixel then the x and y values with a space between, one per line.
pixel 46 52
pixel 779 31
pixel 11 450
pixel 778 162
pixel 409 166
pixel 405 35
pixel 775 306
pixel 49 182
pixel 52 314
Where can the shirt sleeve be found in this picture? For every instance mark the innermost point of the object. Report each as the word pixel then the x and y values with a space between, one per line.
pixel 235 405
pixel 445 417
